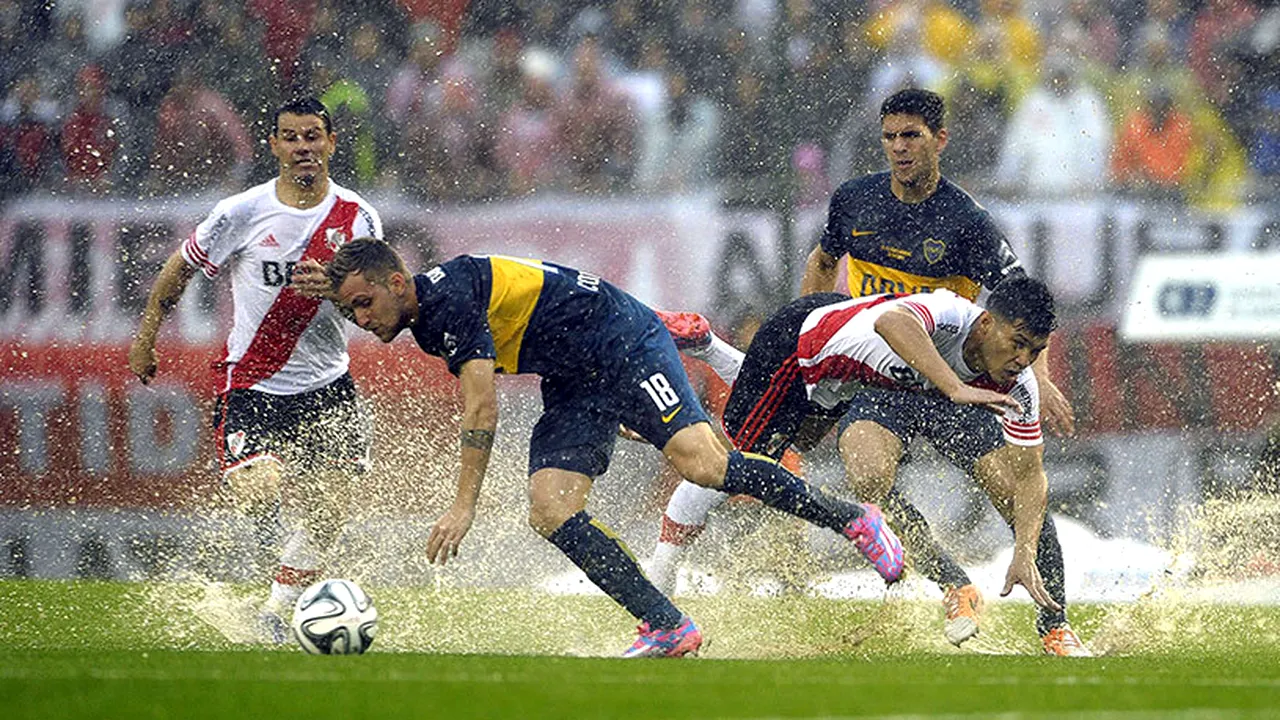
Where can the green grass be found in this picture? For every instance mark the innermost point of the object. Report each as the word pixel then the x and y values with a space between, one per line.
pixel 109 650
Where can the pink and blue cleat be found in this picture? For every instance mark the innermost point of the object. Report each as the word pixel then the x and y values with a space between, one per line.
pixel 684 639
pixel 876 541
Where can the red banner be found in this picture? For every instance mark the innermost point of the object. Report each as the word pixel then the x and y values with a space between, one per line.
pixel 76 428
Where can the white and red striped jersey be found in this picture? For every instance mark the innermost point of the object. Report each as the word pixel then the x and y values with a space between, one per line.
pixel 280 341
pixel 839 352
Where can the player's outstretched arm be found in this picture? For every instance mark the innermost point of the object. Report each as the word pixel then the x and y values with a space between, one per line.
pixel 906 336
pixel 1030 489
pixel 820 272
pixel 166 291
pixel 479 422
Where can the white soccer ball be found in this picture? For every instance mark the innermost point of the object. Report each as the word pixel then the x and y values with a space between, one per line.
pixel 334 617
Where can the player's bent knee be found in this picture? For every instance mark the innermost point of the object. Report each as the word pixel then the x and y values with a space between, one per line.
pixel 545 518
pixel 555 496
pixel 697 454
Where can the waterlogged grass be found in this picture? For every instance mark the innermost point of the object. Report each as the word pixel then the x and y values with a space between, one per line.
pixel 113 650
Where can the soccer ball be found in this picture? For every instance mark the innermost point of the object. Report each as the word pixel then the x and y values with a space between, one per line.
pixel 334 617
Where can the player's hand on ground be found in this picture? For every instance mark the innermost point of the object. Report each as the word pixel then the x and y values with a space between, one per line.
pixel 310 279
pixel 1023 571
pixel 142 360
pixel 998 403
pixel 447 533
pixel 1055 410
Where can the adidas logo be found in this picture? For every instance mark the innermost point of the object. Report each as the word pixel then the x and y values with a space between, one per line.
pixel 269 241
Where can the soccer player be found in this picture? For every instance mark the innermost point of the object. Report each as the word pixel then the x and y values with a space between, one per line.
pixel 811 359
pixel 286 421
pixel 908 230
pixel 605 359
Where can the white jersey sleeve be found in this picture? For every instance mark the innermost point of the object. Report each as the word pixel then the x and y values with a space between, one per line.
pixel 367 222
pixel 219 236
pixel 1023 428
pixel 943 314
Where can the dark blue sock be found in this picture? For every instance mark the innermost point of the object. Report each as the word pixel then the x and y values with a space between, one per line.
pixel 607 562
pixel 929 558
pixel 1049 563
pixel 775 486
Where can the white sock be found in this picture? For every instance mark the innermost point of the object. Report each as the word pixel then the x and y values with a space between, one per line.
pixel 664 564
pixel 690 504
pixel 683 521
pixel 724 358
pixel 299 568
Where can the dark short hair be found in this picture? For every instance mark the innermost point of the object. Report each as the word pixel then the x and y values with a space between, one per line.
pixel 925 104
pixel 368 256
pixel 309 105
pixel 1020 297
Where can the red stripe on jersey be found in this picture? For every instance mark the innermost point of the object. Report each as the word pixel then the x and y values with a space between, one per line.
pixel 812 342
pixel 843 368
pixel 1022 433
pixel 767 406
pixel 195 253
pixel 291 312
pixel 925 316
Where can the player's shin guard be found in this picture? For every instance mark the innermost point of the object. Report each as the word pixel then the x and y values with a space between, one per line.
pixel 930 559
pixel 607 563
pixel 1049 563
pixel 777 487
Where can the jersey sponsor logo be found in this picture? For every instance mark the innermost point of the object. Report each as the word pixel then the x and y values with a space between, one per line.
pixel 934 250
pixel 868 278
pixel 269 242
pixel 671 415
pixel 860 233
pixel 276 274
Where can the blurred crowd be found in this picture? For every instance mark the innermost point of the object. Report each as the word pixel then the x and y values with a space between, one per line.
pixel 456 101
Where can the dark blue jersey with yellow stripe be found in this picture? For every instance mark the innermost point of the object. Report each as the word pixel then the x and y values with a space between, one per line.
pixel 947 241
pixel 529 316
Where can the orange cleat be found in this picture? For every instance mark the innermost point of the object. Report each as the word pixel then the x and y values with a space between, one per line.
pixel 964 605
pixel 1064 642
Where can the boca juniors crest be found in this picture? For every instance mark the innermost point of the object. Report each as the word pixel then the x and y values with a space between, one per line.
pixel 933 250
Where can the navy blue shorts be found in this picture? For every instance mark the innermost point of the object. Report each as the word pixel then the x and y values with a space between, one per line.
pixel 641 384
pixel 961 433
pixel 322 428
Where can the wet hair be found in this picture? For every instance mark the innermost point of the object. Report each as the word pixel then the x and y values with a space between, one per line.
pixel 371 257
pixel 1024 298
pixel 925 104
pixel 309 105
